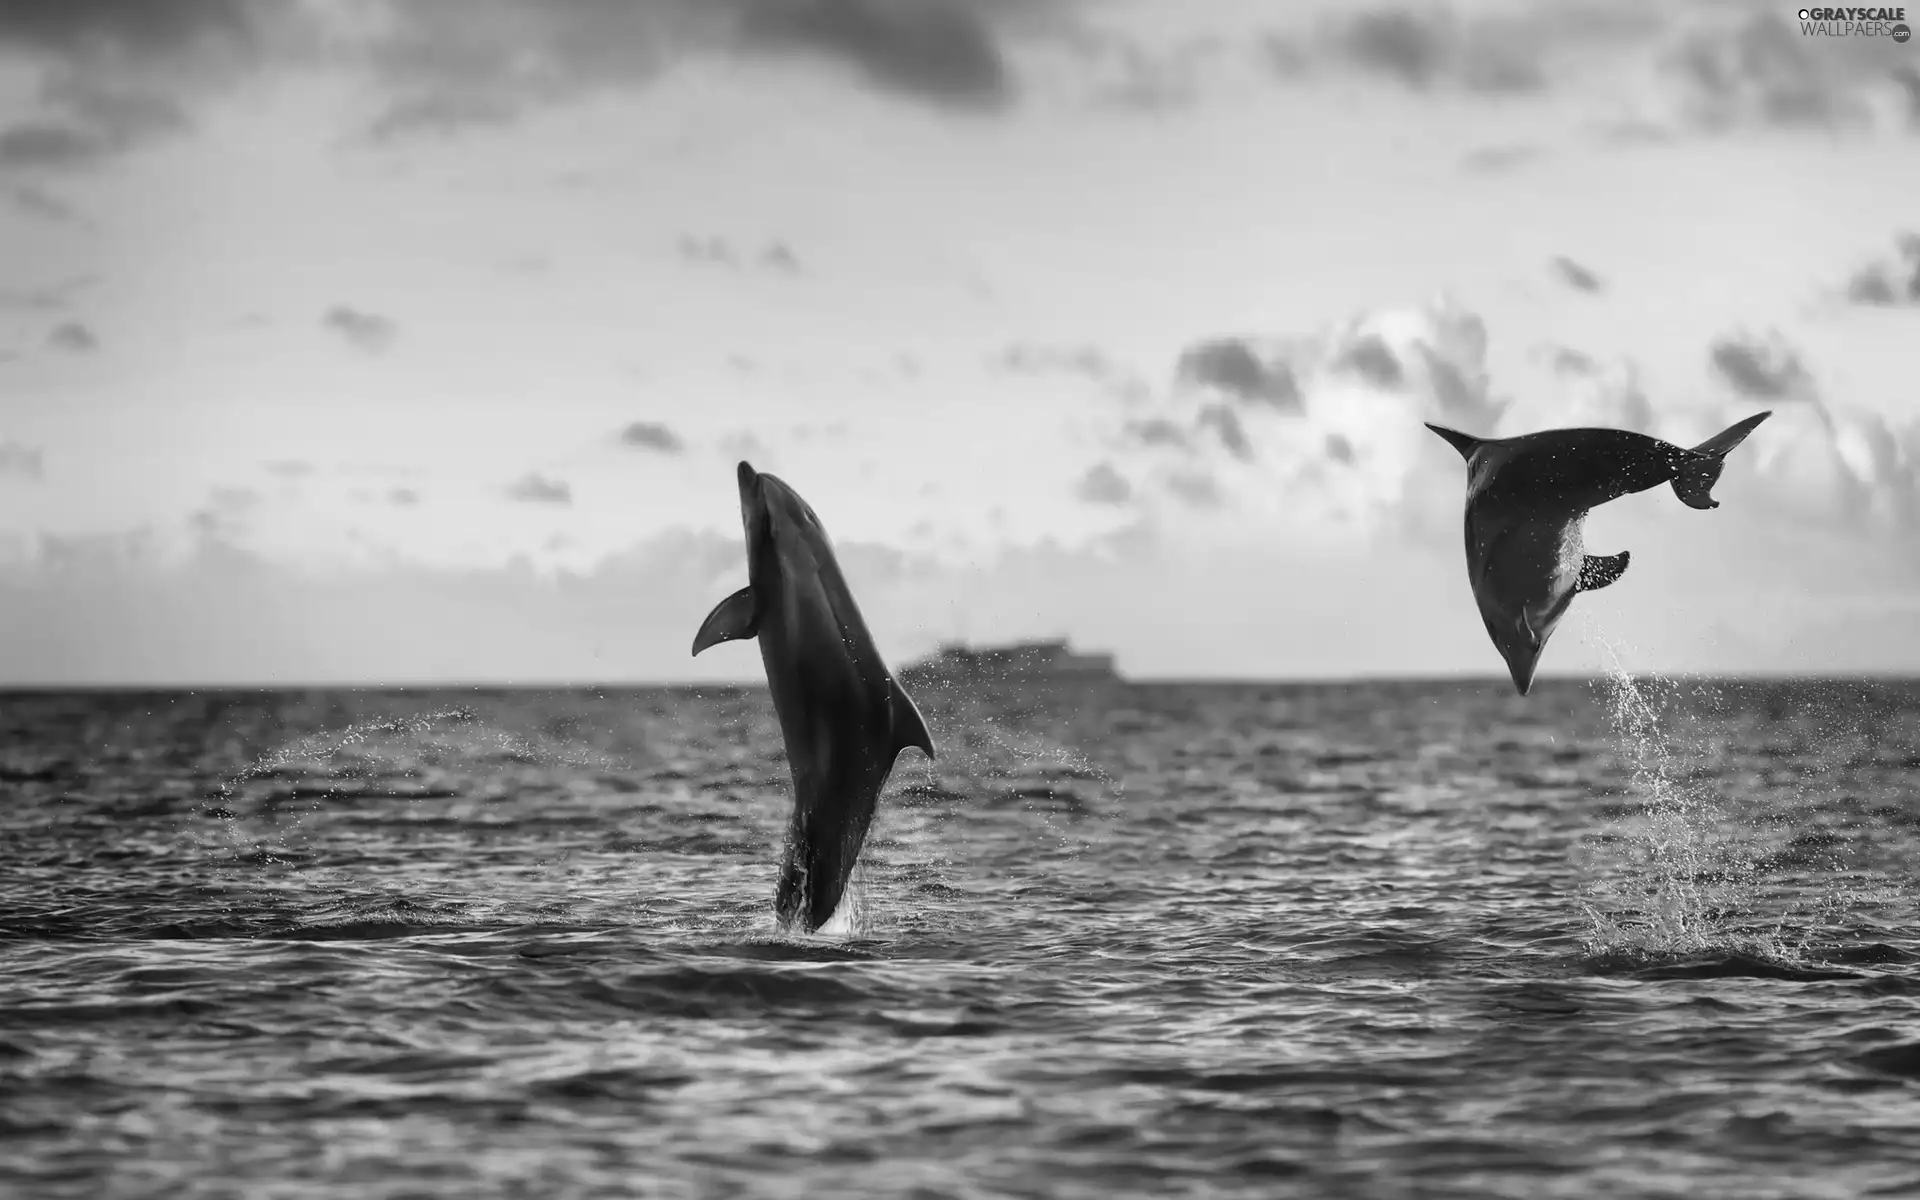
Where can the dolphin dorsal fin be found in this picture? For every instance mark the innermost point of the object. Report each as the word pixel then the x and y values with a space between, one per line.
pixel 1599 570
pixel 909 727
pixel 1465 443
pixel 733 619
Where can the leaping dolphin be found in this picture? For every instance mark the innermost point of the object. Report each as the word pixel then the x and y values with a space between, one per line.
pixel 843 716
pixel 1527 504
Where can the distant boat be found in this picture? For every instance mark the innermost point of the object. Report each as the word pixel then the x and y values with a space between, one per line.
pixel 1048 660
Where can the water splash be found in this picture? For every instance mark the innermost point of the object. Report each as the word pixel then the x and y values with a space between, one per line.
pixel 284 810
pixel 853 918
pixel 402 745
pixel 1680 879
pixel 996 760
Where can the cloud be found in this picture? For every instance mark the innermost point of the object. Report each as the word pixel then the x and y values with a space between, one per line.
pixel 104 80
pixel 534 488
pixel 1907 79
pixel 944 52
pixel 1434 355
pixel 1027 358
pixel 652 435
pixel 43 145
pixel 73 338
pixel 1763 370
pixel 223 518
pixel 1368 356
pixel 1342 454
pixel 1891 283
pixel 402 497
pixel 97 122
pixel 1495 160
pixel 1230 364
pixel 1715 66
pixel 53 297
pixel 1756 68
pixel 1584 392
pixel 1565 360
pixel 440 114
pixel 1435 49
pixel 1806 522
pixel 290 468
pixel 1158 432
pixel 363 330
pixel 711 251
pixel 114 75
pixel 1353 466
pixel 1196 487
pixel 1815 481
pixel 1086 362
pixel 120 29
pixel 25 462
pixel 1574 275
pixel 745 444
pixel 447 65
pixel 1225 424
pixel 1422 50
pixel 1347 491
pixel 139 608
pixel 1850 475
pixel 780 259
pixel 1154 80
pixel 1103 484
pixel 41 205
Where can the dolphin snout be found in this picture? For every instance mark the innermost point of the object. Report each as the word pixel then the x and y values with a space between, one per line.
pixel 1522 660
pixel 1521 648
pixel 752 506
pixel 1520 664
pixel 749 485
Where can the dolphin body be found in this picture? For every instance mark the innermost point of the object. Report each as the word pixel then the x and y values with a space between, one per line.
pixel 1527 503
pixel 843 716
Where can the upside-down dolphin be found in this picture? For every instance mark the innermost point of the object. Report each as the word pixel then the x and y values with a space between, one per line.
pixel 1527 504
pixel 843 716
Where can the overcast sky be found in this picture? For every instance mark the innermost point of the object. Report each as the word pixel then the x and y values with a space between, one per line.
pixel 380 341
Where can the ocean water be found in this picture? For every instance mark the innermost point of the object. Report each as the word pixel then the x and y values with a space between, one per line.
pixel 1622 938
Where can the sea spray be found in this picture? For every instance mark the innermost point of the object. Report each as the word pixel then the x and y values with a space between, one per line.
pixel 1679 878
pixel 995 760
pixel 303 805
pixel 373 757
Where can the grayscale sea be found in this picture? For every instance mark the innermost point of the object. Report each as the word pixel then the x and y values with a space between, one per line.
pixel 1626 937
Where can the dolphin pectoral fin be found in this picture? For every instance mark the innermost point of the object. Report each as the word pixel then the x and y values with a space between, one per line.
pixel 733 619
pixel 909 727
pixel 1599 570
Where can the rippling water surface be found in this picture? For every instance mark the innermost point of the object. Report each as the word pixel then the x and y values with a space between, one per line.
pixel 1621 938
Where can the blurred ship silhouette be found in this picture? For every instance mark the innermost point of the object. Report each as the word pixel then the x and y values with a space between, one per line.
pixel 1028 663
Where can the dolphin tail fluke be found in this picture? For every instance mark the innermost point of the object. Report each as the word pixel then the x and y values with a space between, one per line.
pixel 1465 443
pixel 909 727
pixel 1599 570
pixel 731 620
pixel 1701 468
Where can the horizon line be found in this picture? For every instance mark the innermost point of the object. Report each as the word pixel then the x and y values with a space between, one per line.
pixel 760 684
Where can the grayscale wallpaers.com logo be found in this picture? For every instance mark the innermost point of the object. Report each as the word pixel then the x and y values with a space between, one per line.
pixel 1855 22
